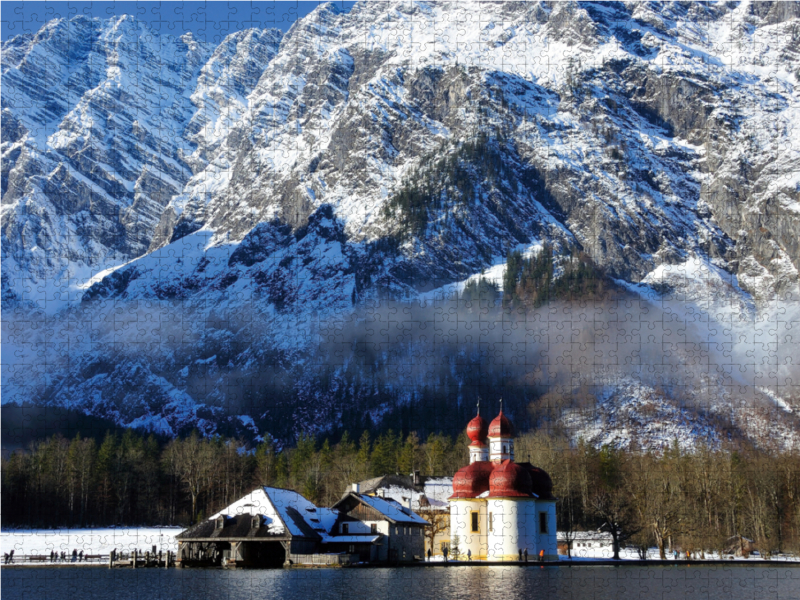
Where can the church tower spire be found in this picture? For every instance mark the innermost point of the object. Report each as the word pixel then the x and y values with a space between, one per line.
pixel 476 432
pixel 501 438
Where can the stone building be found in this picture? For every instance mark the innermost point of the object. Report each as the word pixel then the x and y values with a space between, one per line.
pixel 401 531
pixel 426 495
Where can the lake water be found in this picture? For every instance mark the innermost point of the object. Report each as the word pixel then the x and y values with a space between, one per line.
pixel 450 583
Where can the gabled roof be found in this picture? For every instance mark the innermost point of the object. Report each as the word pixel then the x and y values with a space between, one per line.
pixel 392 510
pixel 284 513
pixel 406 481
pixel 257 502
pixel 431 494
pixel 320 519
pixel 239 527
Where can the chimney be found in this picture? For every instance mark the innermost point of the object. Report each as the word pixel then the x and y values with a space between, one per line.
pixel 355 487
pixel 416 477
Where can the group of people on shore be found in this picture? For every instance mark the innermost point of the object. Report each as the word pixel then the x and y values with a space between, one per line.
pixel 64 557
pixel 55 557
pixel 523 554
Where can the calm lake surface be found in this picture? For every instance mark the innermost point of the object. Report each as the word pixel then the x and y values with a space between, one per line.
pixel 451 583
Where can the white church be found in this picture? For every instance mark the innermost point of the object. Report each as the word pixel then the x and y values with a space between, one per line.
pixel 499 507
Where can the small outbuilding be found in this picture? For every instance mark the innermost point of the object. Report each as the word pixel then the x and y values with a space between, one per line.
pixel 595 543
pixel 740 546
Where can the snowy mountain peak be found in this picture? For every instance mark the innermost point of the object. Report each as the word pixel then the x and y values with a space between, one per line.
pixel 388 152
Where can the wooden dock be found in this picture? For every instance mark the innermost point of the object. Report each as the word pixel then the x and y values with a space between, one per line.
pixel 142 560
pixel 135 559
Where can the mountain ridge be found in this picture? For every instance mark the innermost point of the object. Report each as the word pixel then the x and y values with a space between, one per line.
pixel 390 153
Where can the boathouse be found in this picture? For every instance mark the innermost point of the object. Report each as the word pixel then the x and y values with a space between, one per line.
pixel 264 529
pixel 273 527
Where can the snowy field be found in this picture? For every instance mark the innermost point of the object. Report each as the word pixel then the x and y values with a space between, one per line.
pixel 125 539
pixel 91 541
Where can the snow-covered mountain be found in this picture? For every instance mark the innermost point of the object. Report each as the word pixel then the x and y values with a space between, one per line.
pixel 238 237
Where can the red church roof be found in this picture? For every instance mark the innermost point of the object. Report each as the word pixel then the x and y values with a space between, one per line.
pixel 501 426
pixel 473 480
pixel 509 479
pixel 541 484
pixel 477 429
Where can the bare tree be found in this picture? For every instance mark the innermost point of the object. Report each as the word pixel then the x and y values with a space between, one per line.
pixel 192 462
pixel 80 461
pixel 611 502
pixel 615 510
pixel 439 523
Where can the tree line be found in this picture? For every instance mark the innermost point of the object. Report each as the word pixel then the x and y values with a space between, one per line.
pixel 529 283
pixel 133 479
pixel 533 282
pixel 446 177
pixel 697 501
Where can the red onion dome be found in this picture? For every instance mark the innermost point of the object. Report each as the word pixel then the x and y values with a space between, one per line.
pixel 501 427
pixel 471 481
pixel 541 484
pixel 477 429
pixel 509 479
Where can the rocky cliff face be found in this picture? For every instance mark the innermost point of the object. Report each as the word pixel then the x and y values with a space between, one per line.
pixel 259 204
pixel 103 124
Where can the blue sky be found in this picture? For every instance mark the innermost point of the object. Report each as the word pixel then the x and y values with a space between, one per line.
pixel 210 21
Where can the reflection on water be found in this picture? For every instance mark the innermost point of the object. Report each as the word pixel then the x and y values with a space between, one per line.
pixel 451 583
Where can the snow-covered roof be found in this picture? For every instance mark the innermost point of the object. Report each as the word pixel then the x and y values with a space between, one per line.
pixel 392 510
pixel 318 518
pixel 274 504
pixel 256 503
pixel 436 491
pixel 439 490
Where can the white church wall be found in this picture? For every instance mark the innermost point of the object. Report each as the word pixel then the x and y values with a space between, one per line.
pixel 514 528
pixel 548 541
pixel 461 527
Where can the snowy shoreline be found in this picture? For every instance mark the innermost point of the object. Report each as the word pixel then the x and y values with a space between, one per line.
pixel 125 539
pixel 100 540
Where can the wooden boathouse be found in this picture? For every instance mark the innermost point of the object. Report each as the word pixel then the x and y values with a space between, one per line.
pixel 273 527
pixel 262 529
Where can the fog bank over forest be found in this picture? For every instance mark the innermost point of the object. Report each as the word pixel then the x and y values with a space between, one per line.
pixel 427 360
